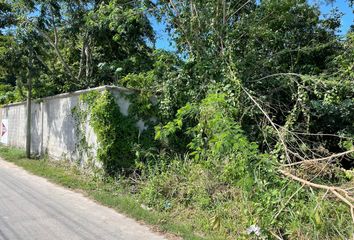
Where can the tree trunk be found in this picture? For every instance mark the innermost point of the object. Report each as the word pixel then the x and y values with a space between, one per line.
pixel 29 98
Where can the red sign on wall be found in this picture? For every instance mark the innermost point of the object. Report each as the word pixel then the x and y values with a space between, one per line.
pixel 3 129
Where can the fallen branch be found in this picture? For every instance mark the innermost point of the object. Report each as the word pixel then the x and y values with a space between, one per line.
pixel 315 134
pixel 335 190
pixel 320 159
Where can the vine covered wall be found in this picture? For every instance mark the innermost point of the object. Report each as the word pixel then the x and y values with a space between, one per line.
pixel 120 123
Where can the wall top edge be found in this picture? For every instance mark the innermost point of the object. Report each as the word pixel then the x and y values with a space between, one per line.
pixel 69 94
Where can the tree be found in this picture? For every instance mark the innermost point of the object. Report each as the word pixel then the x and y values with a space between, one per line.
pixel 82 43
pixel 7 18
pixel 120 34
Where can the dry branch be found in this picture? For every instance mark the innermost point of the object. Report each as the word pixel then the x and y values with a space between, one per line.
pixel 340 193
pixel 271 122
pixel 329 158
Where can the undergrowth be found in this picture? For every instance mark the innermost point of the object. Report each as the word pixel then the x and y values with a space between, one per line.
pixel 225 185
pixel 191 193
pixel 221 187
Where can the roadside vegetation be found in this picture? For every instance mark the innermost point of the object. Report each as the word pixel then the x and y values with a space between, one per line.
pixel 254 129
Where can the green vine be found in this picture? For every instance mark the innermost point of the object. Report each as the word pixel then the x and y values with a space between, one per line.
pixel 117 135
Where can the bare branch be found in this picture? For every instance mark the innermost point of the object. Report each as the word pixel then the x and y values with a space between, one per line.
pixel 335 190
pixel 271 122
pixel 239 9
pixel 329 158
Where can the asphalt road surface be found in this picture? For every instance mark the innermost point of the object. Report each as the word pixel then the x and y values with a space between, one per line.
pixel 33 208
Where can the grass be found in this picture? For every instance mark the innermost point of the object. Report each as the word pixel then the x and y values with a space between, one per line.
pixel 104 191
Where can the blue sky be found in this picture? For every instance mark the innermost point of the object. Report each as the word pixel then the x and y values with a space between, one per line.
pixel 343 6
pixel 164 42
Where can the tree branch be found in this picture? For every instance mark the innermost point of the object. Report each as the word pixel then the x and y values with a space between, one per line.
pixel 320 159
pixel 335 190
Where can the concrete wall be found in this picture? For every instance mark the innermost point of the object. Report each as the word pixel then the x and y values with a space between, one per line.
pixel 53 126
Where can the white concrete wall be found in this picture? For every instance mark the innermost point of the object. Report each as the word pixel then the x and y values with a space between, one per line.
pixel 16 124
pixel 53 126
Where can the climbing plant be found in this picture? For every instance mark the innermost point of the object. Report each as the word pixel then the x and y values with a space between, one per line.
pixel 117 134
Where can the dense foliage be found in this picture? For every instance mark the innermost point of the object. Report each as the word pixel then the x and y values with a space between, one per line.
pixel 255 109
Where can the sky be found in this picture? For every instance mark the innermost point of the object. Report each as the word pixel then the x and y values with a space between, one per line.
pixel 343 6
pixel 163 41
